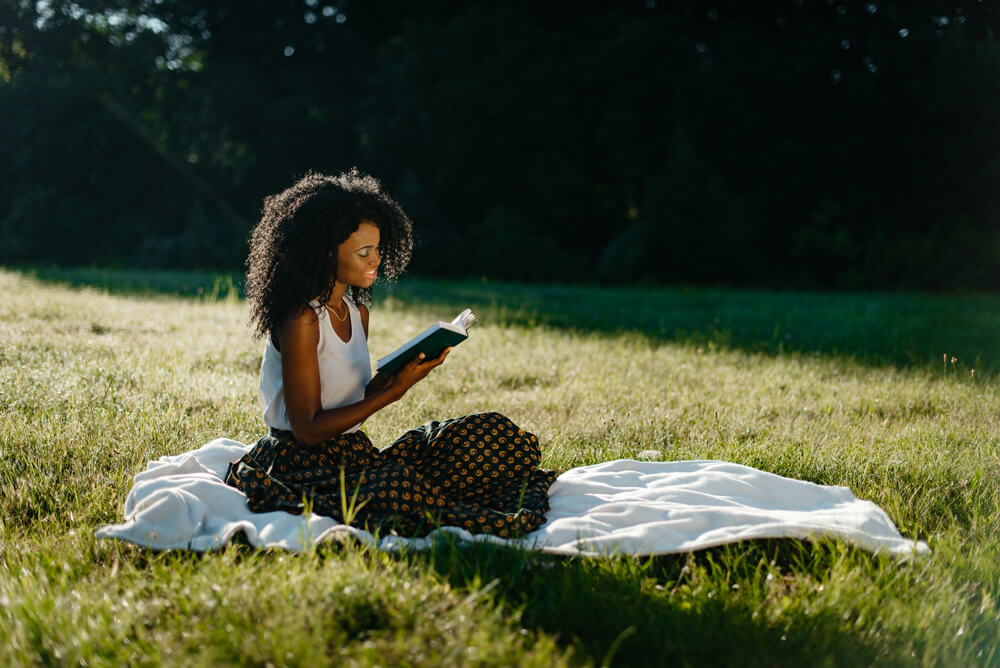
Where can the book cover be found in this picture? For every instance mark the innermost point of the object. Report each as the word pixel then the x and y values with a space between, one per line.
pixel 431 342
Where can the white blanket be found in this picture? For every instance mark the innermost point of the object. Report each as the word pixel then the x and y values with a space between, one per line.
pixel 618 507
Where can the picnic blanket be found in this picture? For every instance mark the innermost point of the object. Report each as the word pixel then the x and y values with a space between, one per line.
pixel 616 507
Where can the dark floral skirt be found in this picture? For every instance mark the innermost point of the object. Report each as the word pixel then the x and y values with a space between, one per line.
pixel 479 472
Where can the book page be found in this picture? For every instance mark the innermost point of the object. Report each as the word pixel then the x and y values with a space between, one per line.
pixel 465 319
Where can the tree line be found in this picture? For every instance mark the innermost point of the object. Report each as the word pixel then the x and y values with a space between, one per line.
pixel 802 143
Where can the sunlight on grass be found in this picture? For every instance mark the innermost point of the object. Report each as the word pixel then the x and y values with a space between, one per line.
pixel 94 384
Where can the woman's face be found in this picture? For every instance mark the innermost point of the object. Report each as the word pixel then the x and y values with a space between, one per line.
pixel 358 257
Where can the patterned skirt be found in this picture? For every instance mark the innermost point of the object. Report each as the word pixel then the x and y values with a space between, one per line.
pixel 479 472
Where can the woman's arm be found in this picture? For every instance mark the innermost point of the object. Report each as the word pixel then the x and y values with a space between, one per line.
pixel 297 338
pixel 378 383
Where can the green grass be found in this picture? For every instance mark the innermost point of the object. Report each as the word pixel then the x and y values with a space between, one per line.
pixel 102 371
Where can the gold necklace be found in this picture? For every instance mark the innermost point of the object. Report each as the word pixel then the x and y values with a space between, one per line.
pixel 339 317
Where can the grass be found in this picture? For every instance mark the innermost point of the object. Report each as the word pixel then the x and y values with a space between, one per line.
pixel 102 371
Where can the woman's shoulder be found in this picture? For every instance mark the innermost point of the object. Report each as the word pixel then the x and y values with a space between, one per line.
pixel 307 314
pixel 303 321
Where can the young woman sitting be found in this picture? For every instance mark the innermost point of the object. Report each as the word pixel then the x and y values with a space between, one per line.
pixel 314 256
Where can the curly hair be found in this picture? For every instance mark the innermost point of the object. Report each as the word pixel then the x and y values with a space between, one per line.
pixel 290 259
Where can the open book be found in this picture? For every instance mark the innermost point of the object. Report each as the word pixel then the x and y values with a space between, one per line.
pixel 431 342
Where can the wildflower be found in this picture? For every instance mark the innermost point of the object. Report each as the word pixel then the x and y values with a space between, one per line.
pixel 972 372
pixel 946 358
pixel 954 359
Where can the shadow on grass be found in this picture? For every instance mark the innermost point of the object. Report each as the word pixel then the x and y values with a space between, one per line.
pixel 675 609
pixel 664 610
pixel 904 330
pixel 142 283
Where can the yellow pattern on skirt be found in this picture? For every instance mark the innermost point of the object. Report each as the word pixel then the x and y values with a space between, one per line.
pixel 479 472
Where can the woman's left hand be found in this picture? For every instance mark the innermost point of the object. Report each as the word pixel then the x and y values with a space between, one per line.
pixel 412 373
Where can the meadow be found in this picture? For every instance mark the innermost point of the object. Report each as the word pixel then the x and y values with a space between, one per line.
pixel 892 395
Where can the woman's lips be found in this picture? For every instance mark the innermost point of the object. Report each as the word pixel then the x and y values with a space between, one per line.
pixel 371 274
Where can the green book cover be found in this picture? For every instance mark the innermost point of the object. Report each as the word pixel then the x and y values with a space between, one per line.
pixel 431 342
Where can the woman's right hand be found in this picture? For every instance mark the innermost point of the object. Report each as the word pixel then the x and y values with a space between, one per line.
pixel 412 373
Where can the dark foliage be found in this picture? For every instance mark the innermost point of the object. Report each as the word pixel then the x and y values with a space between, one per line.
pixel 799 143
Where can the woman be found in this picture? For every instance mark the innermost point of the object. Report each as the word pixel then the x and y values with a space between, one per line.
pixel 314 256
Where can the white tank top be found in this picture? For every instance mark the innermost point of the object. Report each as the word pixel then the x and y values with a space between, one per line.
pixel 345 369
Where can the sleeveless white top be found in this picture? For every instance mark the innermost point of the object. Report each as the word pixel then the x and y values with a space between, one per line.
pixel 345 369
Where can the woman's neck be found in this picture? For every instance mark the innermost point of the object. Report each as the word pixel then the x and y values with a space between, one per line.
pixel 339 289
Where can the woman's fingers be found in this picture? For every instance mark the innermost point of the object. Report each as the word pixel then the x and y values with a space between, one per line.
pixel 421 359
pixel 417 369
pixel 411 365
pixel 437 361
